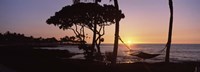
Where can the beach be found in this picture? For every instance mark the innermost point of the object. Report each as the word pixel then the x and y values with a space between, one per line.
pixel 100 36
pixel 28 59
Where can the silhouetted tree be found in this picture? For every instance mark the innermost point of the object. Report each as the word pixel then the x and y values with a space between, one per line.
pixel 20 39
pixel 117 19
pixel 85 15
pixel 65 39
pixel 170 31
pixel 72 39
pixel 53 39
pixel 1 38
pixel 76 1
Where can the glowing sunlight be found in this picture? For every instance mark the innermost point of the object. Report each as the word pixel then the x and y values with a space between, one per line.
pixel 129 42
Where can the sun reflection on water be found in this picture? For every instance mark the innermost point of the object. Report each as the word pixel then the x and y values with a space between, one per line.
pixel 127 51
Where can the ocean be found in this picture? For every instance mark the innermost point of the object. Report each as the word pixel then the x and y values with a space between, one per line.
pixel 178 52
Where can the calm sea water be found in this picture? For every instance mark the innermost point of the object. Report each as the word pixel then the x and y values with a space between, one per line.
pixel 178 53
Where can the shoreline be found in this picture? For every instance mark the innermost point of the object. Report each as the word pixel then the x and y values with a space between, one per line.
pixel 86 66
pixel 27 59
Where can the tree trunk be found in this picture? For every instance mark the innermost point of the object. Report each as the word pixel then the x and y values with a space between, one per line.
pixel 170 31
pixel 98 44
pixel 94 38
pixel 94 34
pixel 115 49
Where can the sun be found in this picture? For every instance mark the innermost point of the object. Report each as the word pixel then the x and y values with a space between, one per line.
pixel 129 42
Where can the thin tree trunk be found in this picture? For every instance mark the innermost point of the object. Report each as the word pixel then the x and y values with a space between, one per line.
pixel 115 49
pixel 170 31
pixel 94 38
pixel 94 34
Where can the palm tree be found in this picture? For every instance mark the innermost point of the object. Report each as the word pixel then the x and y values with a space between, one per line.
pixel 170 31
pixel 114 59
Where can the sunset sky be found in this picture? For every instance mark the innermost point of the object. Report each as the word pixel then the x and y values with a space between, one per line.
pixel 146 21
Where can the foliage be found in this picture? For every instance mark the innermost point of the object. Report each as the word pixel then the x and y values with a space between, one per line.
pixel 70 40
pixel 21 38
pixel 84 14
pixel 93 16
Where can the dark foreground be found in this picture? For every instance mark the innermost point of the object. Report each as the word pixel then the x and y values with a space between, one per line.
pixel 26 59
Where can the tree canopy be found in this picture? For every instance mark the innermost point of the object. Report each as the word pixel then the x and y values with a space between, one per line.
pixel 85 14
